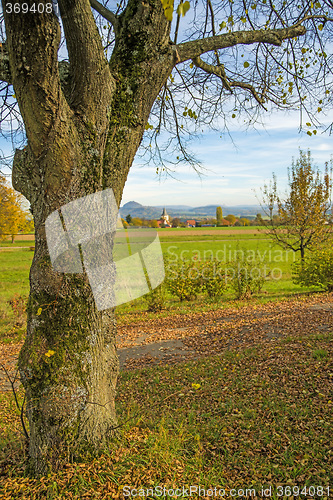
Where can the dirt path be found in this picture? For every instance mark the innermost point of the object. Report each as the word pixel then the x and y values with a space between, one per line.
pixel 184 337
pixel 200 232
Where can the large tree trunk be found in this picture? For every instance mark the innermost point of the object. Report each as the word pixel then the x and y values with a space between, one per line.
pixel 68 363
pixel 78 143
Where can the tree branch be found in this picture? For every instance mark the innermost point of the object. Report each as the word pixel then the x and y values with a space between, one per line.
pixel 194 48
pixel 5 74
pixel 106 13
pixel 32 44
pixel 213 70
pixel 91 81
pixel 227 84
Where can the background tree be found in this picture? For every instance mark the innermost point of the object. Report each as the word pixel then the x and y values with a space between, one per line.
pixel 12 217
pixel 211 221
pixel 124 223
pixel 154 224
pixel 231 218
pixel 128 219
pixel 276 219
pixel 304 211
pixel 259 221
pixel 175 222
pixel 139 80
pixel 244 221
pixel 219 216
pixel 29 224
pixel 136 222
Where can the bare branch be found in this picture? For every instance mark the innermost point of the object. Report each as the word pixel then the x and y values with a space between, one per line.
pixel 20 408
pixel 194 48
pixel 227 84
pixel 106 13
pixel 213 70
pixel 250 88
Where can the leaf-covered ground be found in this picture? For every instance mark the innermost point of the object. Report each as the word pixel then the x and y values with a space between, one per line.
pixel 252 409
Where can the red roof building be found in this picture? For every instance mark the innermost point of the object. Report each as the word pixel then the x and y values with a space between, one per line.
pixel 190 223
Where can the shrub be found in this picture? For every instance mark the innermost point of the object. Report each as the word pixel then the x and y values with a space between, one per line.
pixel 246 274
pixel 188 279
pixel 156 299
pixel 214 279
pixel 184 279
pixel 316 269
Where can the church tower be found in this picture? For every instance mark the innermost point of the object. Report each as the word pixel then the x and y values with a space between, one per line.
pixel 165 217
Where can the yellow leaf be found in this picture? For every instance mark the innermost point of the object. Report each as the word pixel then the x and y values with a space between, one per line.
pixel 196 386
pixel 183 8
pixel 320 27
pixel 39 312
pixel 246 64
pixel 49 353
pixel 168 8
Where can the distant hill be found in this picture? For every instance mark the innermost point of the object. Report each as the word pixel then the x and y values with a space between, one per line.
pixel 184 211
pixel 132 205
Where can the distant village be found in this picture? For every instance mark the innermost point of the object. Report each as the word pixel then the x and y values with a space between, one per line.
pixel 165 221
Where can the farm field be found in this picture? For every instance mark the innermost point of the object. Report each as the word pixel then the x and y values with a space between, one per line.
pixel 223 245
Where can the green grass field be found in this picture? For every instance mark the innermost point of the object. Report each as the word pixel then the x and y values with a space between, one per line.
pixel 276 262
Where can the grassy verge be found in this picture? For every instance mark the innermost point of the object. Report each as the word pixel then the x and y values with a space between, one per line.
pixel 17 243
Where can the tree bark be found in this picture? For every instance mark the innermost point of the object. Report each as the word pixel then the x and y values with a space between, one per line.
pixel 82 138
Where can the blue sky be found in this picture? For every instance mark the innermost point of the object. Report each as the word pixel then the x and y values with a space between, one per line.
pixel 235 168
